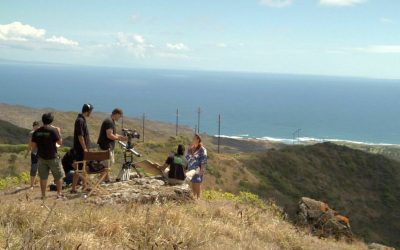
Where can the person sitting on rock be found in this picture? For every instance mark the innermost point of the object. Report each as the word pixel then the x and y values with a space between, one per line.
pixel 175 166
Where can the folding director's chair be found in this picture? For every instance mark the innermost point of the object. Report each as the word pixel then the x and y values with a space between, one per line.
pixel 84 171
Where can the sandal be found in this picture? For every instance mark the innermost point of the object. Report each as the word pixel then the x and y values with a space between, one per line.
pixel 61 197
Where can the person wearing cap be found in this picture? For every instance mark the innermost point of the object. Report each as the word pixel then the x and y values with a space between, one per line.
pixel 81 138
pixel 108 134
pixel 33 153
pixel 45 140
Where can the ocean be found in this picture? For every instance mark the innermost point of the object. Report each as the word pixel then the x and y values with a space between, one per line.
pixel 251 105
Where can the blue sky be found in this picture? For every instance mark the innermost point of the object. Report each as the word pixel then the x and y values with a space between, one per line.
pixel 320 37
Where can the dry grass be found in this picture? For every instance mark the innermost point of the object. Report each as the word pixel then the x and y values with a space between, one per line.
pixel 26 223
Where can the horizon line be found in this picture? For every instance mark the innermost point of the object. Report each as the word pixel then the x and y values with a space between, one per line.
pixel 12 61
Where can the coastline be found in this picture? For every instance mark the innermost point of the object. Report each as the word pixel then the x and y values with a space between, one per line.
pixel 303 140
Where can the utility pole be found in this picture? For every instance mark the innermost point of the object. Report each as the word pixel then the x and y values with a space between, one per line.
pixel 298 136
pixel 177 115
pixel 198 120
pixel 144 117
pixel 219 130
pixel 296 133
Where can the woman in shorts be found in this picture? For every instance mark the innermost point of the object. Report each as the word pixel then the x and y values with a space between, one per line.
pixel 197 161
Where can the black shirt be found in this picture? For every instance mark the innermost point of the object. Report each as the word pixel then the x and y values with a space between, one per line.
pixel 45 139
pixel 80 129
pixel 103 141
pixel 67 161
pixel 177 165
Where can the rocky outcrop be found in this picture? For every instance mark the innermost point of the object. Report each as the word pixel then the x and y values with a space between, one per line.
pixel 142 190
pixel 322 220
pixel 376 246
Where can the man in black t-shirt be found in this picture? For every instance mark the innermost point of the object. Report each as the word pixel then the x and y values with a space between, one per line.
pixel 108 135
pixel 81 138
pixel 45 139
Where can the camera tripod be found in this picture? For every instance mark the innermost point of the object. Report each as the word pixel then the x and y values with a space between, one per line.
pixel 129 152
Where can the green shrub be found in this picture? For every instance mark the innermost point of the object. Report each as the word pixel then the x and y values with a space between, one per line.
pixel 242 197
pixel 14 180
pixel 6 148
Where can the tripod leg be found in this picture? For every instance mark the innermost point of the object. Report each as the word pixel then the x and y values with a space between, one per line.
pixel 137 171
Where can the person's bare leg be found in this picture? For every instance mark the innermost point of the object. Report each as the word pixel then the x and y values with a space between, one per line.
pixel 59 184
pixel 199 191
pixel 193 189
pixel 43 185
pixel 75 179
pixel 32 181
pixel 196 189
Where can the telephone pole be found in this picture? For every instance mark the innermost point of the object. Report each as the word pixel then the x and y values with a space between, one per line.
pixel 143 118
pixel 198 120
pixel 176 128
pixel 297 132
pixel 219 130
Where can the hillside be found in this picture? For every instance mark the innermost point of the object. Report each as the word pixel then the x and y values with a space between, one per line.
pixel 220 221
pixel 12 134
pixel 22 116
pixel 362 186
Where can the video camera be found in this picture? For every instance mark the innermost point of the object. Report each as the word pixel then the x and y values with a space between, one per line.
pixel 131 134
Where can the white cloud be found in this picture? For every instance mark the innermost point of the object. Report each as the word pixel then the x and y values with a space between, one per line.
pixel 62 40
pixel 134 18
pixel 177 47
pixel 276 3
pixel 173 56
pixel 343 3
pixel 385 20
pixel 135 44
pixel 380 49
pixel 221 45
pixel 19 35
pixel 17 31
pixel 336 51
pixel 139 39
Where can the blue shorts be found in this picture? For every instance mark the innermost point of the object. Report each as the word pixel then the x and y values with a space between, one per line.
pixel 197 178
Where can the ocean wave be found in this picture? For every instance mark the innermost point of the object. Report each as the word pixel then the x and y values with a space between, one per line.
pixel 304 140
pixel 237 137
pixel 362 143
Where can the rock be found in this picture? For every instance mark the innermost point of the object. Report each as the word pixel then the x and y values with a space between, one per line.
pixel 143 190
pixel 376 246
pixel 322 220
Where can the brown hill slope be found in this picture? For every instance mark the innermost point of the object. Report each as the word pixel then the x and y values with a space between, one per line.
pixel 12 134
pixel 24 116
pixel 363 186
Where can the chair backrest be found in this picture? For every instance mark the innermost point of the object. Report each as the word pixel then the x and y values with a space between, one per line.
pixel 97 156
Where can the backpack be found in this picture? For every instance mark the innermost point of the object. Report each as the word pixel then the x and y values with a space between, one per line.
pixel 95 166
pixel 177 170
